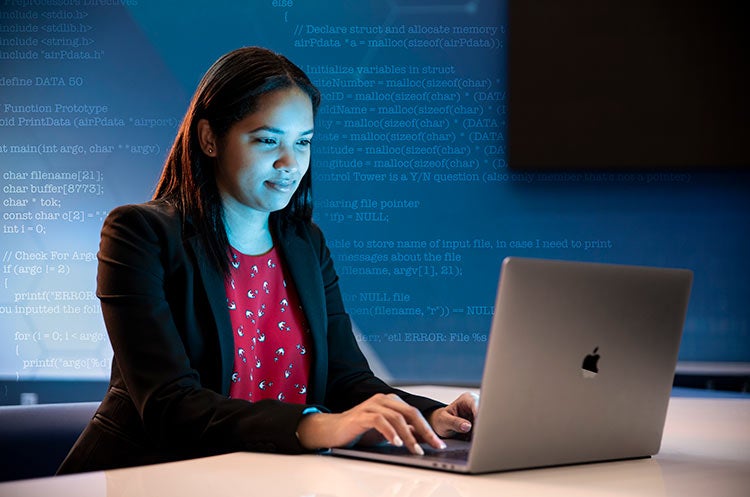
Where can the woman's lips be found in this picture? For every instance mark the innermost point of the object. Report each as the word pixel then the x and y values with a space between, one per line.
pixel 283 186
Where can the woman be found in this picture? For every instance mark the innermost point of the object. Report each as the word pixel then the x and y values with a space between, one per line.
pixel 221 301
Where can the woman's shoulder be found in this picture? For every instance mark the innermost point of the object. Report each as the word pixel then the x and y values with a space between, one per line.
pixel 155 210
pixel 155 215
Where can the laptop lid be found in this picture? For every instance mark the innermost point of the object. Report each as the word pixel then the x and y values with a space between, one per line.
pixel 579 366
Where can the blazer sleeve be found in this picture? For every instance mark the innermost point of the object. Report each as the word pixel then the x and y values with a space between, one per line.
pixel 139 247
pixel 350 379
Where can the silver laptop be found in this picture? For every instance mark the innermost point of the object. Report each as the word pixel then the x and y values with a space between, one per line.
pixel 579 368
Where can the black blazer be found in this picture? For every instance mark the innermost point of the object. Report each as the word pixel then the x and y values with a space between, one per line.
pixel 164 306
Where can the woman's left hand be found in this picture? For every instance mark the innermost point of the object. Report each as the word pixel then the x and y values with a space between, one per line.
pixel 456 419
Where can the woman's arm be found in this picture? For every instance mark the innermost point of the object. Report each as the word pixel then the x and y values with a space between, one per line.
pixel 363 403
pixel 144 281
pixel 350 379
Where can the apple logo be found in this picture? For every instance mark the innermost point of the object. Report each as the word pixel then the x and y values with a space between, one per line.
pixel 589 368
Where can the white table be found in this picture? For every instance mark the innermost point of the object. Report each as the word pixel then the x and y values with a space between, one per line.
pixel 705 452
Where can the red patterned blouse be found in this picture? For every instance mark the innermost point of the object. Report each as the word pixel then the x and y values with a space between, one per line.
pixel 271 336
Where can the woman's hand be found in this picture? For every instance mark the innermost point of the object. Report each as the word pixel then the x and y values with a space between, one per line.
pixel 456 419
pixel 387 415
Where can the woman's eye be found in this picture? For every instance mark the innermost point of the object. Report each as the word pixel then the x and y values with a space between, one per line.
pixel 267 141
pixel 306 142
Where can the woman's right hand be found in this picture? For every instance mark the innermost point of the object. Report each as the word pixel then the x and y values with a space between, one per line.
pixel 388 415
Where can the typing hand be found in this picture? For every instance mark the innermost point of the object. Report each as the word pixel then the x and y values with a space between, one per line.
pixel 455 420
pixel 388 415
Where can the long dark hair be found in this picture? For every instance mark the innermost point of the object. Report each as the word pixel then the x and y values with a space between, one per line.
pixel 227 93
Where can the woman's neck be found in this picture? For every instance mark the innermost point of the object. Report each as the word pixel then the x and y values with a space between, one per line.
pixel 247 229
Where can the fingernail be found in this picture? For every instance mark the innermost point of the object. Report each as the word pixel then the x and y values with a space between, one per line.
pixel 397 441
pixel 418 450
pixel 442 445
pixel 465 427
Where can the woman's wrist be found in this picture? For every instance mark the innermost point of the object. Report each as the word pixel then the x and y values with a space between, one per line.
pixel 309 430
pixel 431 416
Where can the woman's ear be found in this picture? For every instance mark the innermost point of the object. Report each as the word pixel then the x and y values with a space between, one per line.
pixel 206 138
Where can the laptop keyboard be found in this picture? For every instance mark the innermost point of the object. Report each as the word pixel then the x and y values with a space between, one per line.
pixel 453 454
pixel 461 453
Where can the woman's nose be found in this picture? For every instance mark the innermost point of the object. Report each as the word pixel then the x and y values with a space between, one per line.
pixel 286 160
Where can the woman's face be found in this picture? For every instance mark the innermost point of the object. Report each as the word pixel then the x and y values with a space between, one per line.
pixel 263 157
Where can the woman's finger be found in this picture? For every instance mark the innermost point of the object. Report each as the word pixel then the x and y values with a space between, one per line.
pixel 412 426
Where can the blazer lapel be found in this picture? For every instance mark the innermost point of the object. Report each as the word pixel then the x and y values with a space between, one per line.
pixel 304 269
pixel 213 282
